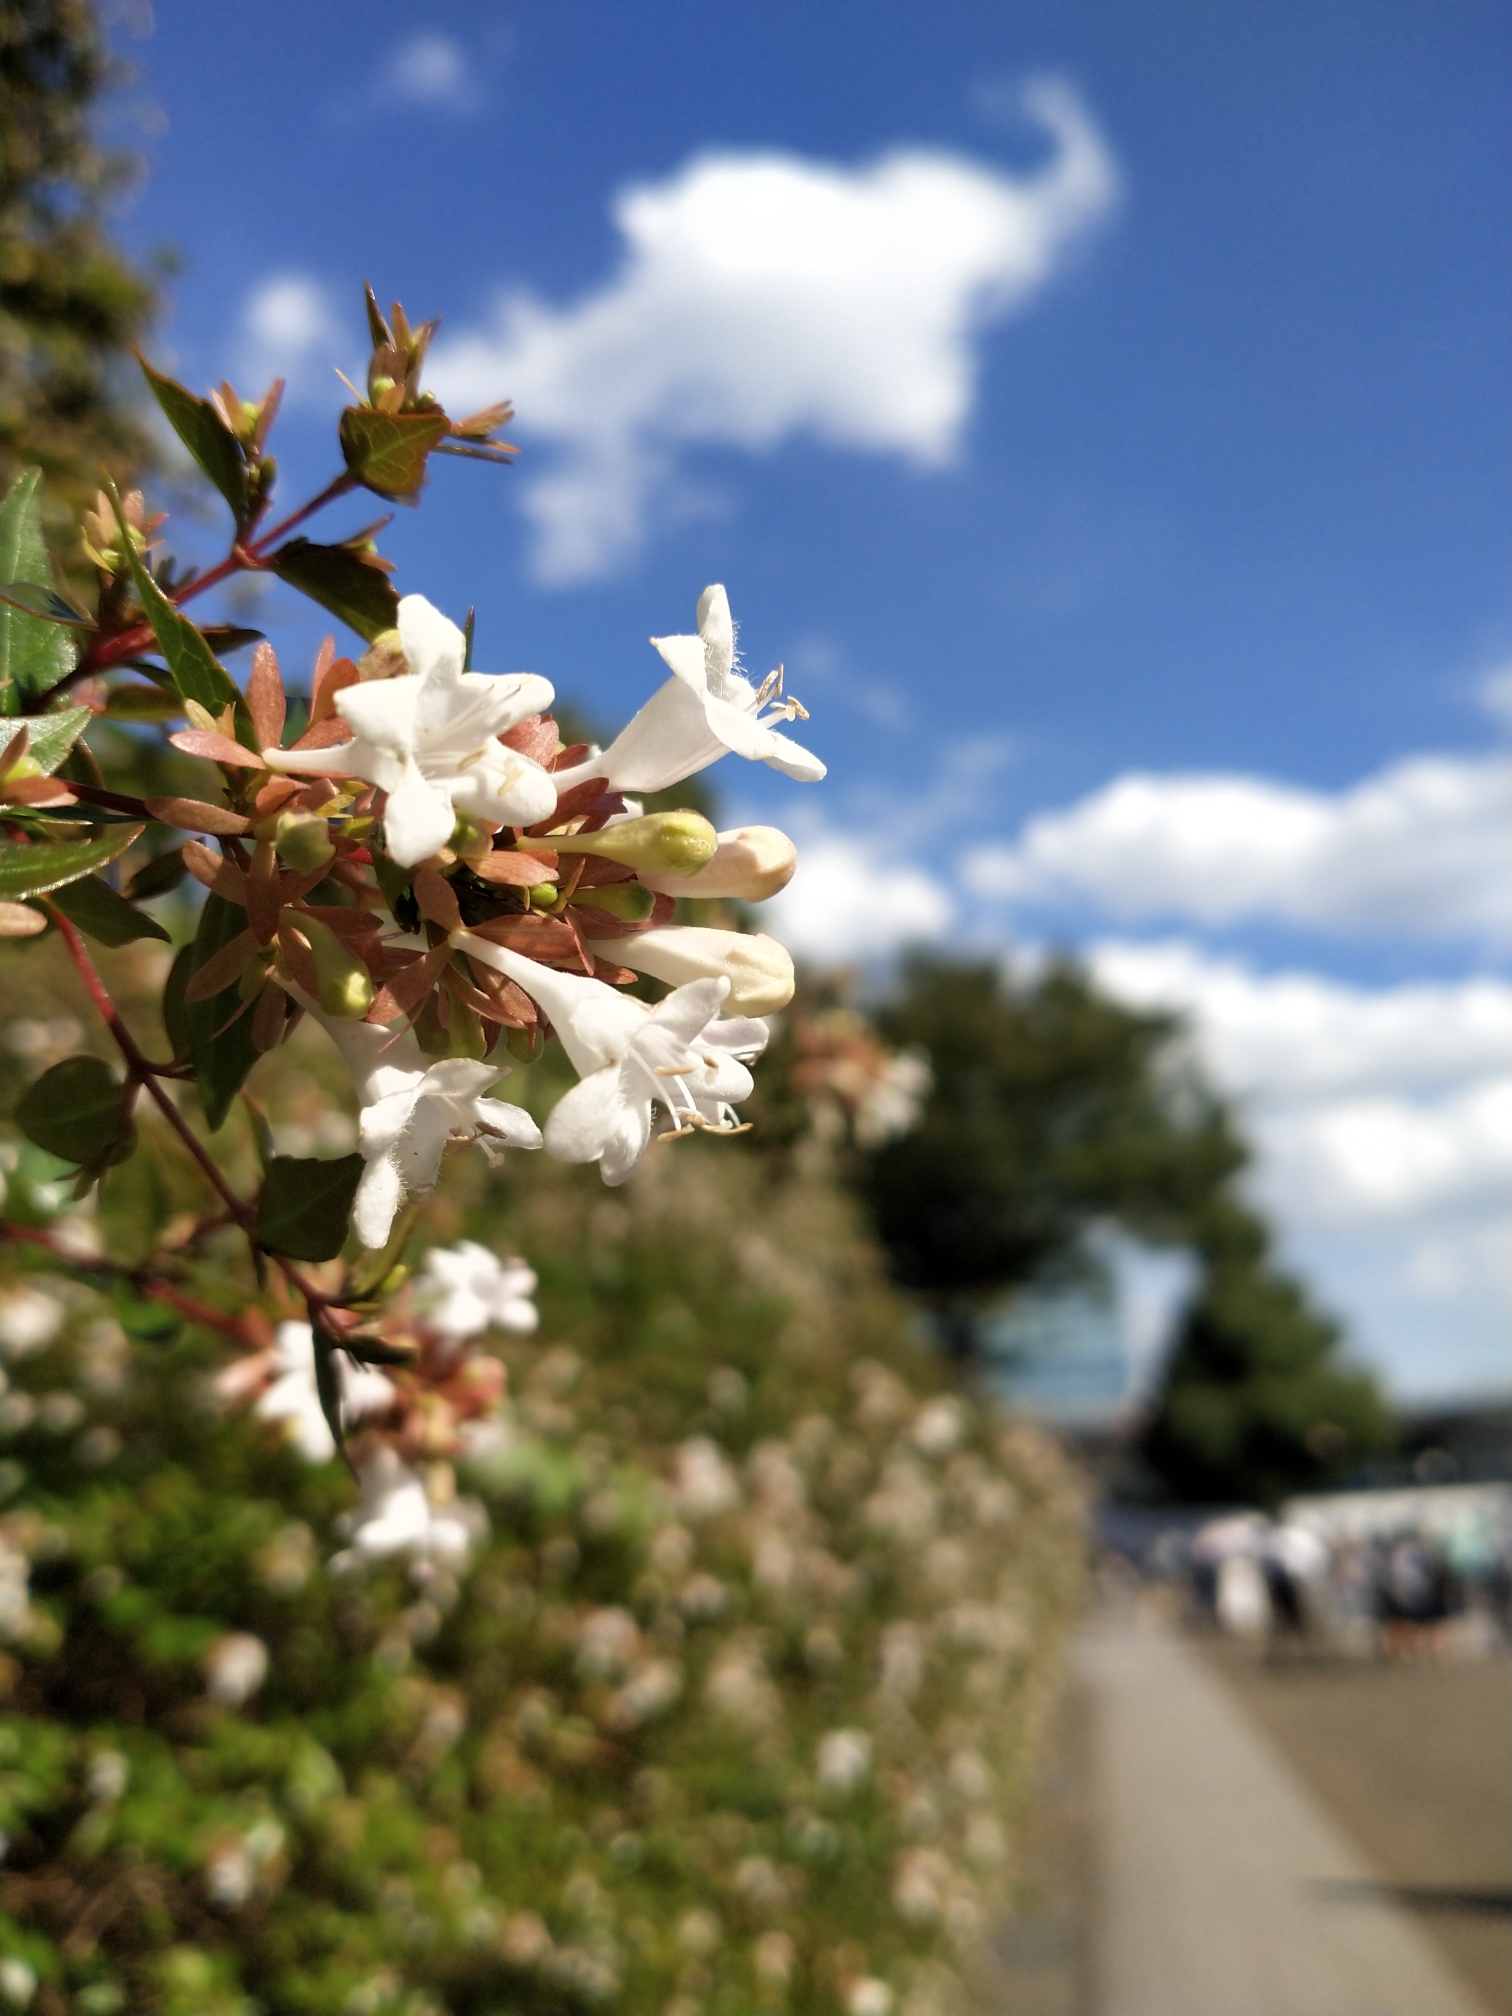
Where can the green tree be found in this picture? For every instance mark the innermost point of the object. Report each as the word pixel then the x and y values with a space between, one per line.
pixel 1254 1402
pixel 1055 1110
pixel 71 304
pixel 1052 1108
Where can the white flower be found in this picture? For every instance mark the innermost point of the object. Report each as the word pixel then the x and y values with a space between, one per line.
pixel 631 1057
pixel 430 740
pixel 395 1516
pixel 844 1761
pixel 465 1289
pixel 758 969
pixel 236 1665
pixel 707 707
pixel 294 1397
pixel 411 1107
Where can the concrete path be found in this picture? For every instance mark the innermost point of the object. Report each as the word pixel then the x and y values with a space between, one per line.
pixel 1220 1887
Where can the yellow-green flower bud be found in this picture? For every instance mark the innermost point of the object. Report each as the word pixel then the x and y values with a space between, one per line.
pixel 750 864
pixel 631 902
pixel 543 895
pixel 346 986
pixel 662 843
pixel 302 841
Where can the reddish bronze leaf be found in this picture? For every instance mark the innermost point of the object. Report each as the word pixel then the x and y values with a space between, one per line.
pixel 195 817
pixel 265 697
pixel 217 748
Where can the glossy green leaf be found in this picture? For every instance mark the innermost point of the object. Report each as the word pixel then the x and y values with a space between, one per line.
pixel 36 867
pixel 222 1056
pixel 51 736
pixel 343 582
pixel 35 652
pixel 193 666
pixel 77 1110
pixel 305 1210
pixel 388 451
pixel 103 915
pixel 45 603
pixel 162 873
pixel 205 434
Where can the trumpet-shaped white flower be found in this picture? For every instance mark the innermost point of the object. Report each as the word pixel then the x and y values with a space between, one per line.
pixel 465 1289
pixel 430 740
pixel 294 1398
pixel 631 1058
pixel 707 707
pixel 759 970
pixel 395 1516
pixel 411 1107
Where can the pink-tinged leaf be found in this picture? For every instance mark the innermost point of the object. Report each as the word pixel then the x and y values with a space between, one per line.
pixel 541 938
pixel 217 873
pixel 612 975
pixel 334 678
pixel 436 898
pixel 216 749
pixel 535 737
pixel 192 816
pixel 15 749
pixel 299 960
pixel 268 1017
pixel 263 900
pixel 356 928
pixel 19 920
pixel 518 868
pixel 509 1004
pixel 326 735
pixel 276 792
pixel 223 967
pixel 409 987
pixel 265 697
pixel 592 795
pixel 36 791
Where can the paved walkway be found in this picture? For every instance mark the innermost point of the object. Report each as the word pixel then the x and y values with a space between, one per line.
pixel 1220 1887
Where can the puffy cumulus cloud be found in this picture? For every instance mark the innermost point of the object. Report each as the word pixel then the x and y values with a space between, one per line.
pixel 852 899
pixel 1298 1035
pixel 1382 1123
pixel 1424 846
pixel 290 329
pixel 763 296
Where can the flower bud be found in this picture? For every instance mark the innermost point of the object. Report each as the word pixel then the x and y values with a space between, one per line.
pixel 631 902
pixel 749 864
pixel 346 986
pixel 543 895
pixel 666 843
pixel 302 841
pixel 759 970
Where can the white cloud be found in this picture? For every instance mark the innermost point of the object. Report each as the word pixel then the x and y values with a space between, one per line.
pixel 762 296
pixel 1382 1123
pixel 432 70
pixel 1297 1035
pixel 853 900
pixel 1423 846
pixel 291 330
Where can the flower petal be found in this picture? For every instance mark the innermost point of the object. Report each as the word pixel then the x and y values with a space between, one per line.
pixel 433 645
pixel 417 820
pixel 379 1196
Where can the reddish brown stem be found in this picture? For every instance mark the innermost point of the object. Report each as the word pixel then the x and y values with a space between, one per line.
pixel 143 1279
pixel 145 1073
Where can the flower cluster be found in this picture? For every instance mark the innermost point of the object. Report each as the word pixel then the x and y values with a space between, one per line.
pixel 402 849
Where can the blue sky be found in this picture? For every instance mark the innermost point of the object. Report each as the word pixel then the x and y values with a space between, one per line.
pixel 1101 411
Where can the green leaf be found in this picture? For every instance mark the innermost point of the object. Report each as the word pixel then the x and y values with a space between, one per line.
pixel 162 873
pixel 343 582
pixel 205 434
pixel 388 451
pixel 78 1110
pixel 222 1057
pixel 44 603
pixel 306 1205
pixel 196 671
pixel 100 913
pixel 51 736
pixel 35 652
pixel 37 867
